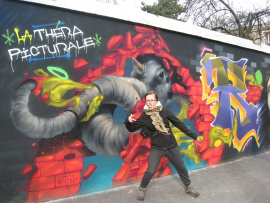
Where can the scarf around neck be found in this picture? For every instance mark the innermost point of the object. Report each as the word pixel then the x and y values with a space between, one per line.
pixel 156 119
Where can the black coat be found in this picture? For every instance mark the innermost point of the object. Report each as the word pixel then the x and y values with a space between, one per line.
pixel 160 141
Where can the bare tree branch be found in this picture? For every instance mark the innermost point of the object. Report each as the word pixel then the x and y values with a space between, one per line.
pixel 220 15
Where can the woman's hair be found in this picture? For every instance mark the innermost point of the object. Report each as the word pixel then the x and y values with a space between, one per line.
pixel 149 93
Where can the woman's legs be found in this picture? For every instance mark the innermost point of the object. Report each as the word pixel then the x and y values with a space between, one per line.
pixel 154 157
pixel 176 159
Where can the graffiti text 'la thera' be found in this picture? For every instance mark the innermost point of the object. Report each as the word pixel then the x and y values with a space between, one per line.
pixel 60 42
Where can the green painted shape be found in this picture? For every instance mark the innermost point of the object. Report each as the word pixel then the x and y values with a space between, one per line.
pixel 258 76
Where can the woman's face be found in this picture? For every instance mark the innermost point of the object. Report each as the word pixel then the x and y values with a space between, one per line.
pixel 151 101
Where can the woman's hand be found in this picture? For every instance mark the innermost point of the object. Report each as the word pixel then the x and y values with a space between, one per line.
pixel 199 139
pixel 131 119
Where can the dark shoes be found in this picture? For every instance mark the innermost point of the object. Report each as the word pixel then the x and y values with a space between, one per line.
pixel 192 191
pixel 141 194
pixel 189 189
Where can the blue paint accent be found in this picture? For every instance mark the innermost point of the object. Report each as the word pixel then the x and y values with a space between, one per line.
pixel 175 106
pixel 45 25
pixel 39 59
pixel 128 68
pixel 101 179
pixel 119 115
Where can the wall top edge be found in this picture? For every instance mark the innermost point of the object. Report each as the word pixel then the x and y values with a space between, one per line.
pixel 135 15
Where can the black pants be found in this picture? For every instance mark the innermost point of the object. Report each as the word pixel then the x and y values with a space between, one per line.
pixel 174 157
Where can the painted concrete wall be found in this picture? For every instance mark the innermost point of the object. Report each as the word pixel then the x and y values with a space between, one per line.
pixel 68 82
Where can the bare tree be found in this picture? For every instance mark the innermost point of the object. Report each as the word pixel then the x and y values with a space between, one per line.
pixel 223 16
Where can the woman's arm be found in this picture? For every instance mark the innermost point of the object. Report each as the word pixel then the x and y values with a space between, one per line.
pixel 133 124
pixel 180 125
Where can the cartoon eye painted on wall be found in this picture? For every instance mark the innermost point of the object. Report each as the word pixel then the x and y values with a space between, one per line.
pixel 162 74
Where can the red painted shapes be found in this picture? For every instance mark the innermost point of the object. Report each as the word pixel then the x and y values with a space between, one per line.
pixel 88 172
pixel 128 43
pixel 138 109
pixel 80 64
pixel 27 169
pixel 178 89
pixel 76 145
pixel 114 42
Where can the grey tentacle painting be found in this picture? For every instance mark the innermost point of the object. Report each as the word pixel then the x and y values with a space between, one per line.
pixel 100 133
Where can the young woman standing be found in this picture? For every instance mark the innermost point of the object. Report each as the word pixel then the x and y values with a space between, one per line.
pixel 156 119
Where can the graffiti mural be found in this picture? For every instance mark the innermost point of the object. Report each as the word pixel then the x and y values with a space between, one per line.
pixel 71 79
